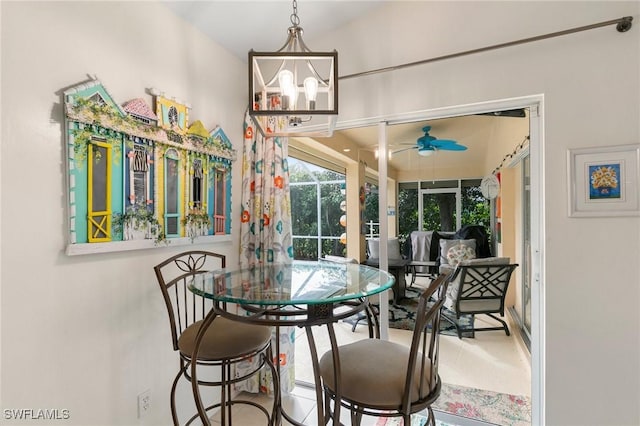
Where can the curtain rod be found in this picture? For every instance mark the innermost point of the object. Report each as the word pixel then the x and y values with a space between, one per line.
pixel 622 25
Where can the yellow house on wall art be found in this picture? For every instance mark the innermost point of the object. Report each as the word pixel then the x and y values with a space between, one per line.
pixel 138 175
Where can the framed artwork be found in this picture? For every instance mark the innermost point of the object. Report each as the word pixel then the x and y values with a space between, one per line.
pixel 604 181
pixel 137 178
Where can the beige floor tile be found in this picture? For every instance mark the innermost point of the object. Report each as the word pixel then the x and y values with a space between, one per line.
pixel 247 415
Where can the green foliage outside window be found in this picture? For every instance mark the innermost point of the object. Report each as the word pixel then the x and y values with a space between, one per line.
pixel 330 212
pixel 475 210
pixel 407 212
pixel 319 223
pixel 371 212
pixel 308 217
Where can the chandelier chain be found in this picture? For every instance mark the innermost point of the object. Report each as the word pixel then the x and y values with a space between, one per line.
pixel 295 20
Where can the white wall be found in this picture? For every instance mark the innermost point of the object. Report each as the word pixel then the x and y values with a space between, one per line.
pixel 89 333
pixel 591 87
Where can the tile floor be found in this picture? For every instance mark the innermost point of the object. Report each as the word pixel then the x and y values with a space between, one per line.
pixel 302 407
pixel 490 361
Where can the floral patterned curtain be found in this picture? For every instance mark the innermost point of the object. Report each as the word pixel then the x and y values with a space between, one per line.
pixel 265 233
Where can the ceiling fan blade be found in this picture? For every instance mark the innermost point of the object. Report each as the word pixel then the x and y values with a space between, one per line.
pixel 403 149
pixel 453 147
pixel 443 142
pixel 449 145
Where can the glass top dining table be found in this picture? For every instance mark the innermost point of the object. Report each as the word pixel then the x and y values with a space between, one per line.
pixel 303 294
pixel 298 283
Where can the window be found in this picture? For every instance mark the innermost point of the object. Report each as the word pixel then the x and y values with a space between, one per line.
pixel 139 191
pixel 371 210
pixel 173 116
pixel 97 99
pixel 140 118
pixel 446 206
pixel 475 208
pixel 316 195
pixel 407 210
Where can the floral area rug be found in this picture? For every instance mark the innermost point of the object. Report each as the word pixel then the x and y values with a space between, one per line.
pixel 403 316
pixel 416 420
pixel 491 407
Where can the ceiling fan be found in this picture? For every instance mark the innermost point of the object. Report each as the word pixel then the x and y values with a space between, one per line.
pixel 427 144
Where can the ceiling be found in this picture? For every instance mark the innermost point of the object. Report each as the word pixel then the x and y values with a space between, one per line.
pixel 475 132
pixel 240 26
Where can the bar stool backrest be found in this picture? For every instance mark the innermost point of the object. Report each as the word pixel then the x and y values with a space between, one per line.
pixel 174 276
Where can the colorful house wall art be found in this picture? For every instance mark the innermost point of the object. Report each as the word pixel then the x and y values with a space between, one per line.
pixel 139 177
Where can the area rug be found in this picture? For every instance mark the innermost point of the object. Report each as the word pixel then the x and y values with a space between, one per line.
pixel 416 420
pixel 403 316
pixel 487 406
pixel 491 407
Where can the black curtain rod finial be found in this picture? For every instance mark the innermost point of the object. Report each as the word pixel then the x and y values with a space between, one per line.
pixel 625 24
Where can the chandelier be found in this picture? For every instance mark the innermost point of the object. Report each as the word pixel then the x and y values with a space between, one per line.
pixel 296 83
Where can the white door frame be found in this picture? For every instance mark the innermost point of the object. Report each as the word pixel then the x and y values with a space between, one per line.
pixel 535 104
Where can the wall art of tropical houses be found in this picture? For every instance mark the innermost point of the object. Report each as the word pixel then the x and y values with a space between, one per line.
pixel 140 177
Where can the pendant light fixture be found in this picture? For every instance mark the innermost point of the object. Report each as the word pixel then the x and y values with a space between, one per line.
pixel 296 83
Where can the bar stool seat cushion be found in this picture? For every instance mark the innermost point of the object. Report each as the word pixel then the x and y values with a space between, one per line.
pixel 371 373
pixel 224 339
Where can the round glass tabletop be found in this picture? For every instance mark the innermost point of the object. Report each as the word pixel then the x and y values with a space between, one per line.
pixel 302 282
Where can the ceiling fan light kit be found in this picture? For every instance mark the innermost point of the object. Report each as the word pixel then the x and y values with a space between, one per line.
pixel 278 79
pixel 426 152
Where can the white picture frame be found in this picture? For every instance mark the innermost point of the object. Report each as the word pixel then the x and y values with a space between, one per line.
pixel 604 181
